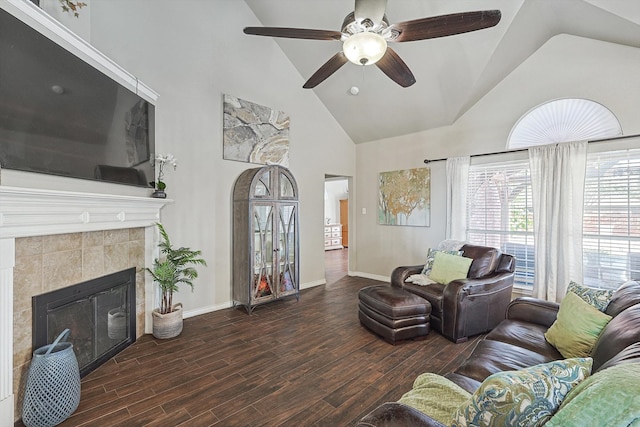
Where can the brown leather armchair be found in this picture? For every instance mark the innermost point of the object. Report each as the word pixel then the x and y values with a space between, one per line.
pixel 470 306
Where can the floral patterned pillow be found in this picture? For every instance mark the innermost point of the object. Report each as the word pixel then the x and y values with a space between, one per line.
pixel 526 398
pixel 599 298
pixel 431 256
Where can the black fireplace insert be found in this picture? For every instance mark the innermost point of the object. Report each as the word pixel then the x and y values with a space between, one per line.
pixel 101 314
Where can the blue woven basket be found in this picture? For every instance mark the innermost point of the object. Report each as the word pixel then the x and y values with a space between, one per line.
pixel 52 391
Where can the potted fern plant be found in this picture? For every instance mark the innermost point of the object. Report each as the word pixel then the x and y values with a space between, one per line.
pixel 175 266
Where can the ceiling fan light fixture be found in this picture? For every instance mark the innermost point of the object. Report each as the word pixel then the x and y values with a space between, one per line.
pixel 364 48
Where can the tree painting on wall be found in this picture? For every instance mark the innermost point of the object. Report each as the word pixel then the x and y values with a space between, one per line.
pixel 404 197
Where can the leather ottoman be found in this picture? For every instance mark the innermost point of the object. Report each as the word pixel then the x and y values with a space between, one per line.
pixel 393 313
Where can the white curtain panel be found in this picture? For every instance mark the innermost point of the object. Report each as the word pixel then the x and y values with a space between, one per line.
pixel 557 183
pixel 457 179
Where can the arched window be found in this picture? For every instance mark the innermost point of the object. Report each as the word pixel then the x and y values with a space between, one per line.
pixel 564 120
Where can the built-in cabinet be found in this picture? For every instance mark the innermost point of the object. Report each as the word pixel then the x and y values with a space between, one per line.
pixel 332 236
pixel 265 236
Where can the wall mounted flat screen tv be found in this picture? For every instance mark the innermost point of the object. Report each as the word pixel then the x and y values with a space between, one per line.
pixel 61 116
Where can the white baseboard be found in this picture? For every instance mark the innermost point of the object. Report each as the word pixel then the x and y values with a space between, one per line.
pixel 204 310
pixel 6 412
pixel 386 279
pixel 313 284
pixel 211 308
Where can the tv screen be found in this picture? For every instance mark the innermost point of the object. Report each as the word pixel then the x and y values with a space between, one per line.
pixel 61 116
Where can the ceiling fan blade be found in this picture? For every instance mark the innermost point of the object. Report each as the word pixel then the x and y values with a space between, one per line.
pixel 294 33
pixel 329 67
pixel 370 9
pixel 445 25
pixel 394 67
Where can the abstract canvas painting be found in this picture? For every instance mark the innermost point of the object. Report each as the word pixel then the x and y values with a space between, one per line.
pixel 405 197
pixel 254 133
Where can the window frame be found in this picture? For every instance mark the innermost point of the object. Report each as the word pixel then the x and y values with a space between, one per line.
pixel 519 241
pixel 611 218
pixel 525 267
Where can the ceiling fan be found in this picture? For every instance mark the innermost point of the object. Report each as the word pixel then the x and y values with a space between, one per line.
pixel 366 31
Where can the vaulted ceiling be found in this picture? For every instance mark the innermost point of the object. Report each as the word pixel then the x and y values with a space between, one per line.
pixel 452 73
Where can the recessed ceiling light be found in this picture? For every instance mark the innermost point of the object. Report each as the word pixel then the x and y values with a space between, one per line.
pixel 354 90
pixel 57 89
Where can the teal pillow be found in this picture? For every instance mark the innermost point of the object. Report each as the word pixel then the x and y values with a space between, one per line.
pixel 577 327
pixel 431 253
pixel 599 298
pixel 610 397
pixel 447 268
pixel 526 398
pixel 435 396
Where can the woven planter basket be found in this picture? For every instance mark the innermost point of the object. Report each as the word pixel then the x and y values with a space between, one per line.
pixel 52 391
pixel 167 325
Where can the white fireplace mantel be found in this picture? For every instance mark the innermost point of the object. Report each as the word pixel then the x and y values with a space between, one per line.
pixel 32 212
pixel 26 212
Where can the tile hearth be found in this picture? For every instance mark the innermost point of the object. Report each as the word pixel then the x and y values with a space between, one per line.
pixel 48 263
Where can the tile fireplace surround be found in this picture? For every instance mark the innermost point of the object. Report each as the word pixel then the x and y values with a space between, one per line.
pixel 93 233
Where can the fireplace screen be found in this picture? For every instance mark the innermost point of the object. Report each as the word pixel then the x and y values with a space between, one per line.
pixel 100 314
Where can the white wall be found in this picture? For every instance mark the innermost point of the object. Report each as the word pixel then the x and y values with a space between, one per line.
pixel 192 52
pixel 566 66
pixel 82 27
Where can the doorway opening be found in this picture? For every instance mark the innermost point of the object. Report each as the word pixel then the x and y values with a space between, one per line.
pixel 336 227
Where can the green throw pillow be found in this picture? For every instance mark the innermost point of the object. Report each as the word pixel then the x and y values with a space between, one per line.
pixel 607 398
pixel 577 327
pixel 448 267
pixel 431 253
pixel 524 398
pixel 599 298
pixel 435 396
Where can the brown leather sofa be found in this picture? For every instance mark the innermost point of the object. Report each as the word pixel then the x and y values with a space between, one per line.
pixel 518 342
pixel 470 306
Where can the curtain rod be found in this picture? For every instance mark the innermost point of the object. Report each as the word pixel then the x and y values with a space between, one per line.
pixel 427 161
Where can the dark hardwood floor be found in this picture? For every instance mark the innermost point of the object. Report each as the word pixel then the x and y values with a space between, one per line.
pixel 290 363
pixel 335 265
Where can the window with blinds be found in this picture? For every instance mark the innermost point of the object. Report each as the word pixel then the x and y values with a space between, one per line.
pixel 611 226
pixel 500 213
